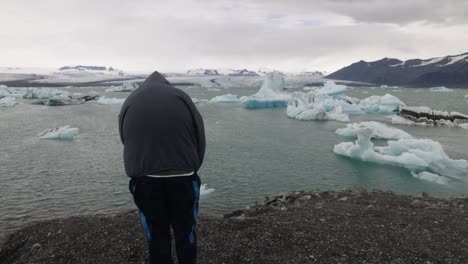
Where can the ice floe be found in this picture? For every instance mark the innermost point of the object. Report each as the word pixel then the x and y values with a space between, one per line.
pixel 432 177
pixel 440 89
pixel 379 130
pixel 313 106
pixel 270 95
pixel 125 87
pixel 109 100
pixel 8 101
pixel 422 115
pixel 227 98
pixel 204 190
pixel 381 104
pixel 417 155
pixel 64 132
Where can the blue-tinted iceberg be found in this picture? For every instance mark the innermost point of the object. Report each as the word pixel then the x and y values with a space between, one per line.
pixel 417 155
pixel 271 94
pixel 379 130
pixel 109 101
pixel 440 89
pixel 65 133
pixel 227 98
pixel 7 101
pixel 432 177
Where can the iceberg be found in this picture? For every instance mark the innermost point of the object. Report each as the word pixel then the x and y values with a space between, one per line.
pixel 227 98
pixel 432 177
pixel 204 190
pixel 331 88
pixel 109 101
pixel 379 130
pixel 422 115
pixel 270 95
pixel 65 133
pixel 381 104
pixel 7 101
pixel 125 87
pixel 313 106
pixel 43 93
pixel 417 155
pixel 440 89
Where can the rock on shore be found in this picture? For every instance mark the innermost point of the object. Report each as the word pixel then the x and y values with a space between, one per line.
pixel 347 226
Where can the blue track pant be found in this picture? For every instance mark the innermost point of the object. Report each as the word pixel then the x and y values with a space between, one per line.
pixel 164 203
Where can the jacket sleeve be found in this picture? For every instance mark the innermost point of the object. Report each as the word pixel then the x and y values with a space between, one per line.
pixel 199 130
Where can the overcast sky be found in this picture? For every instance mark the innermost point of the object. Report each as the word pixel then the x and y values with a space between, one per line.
pixel 176 35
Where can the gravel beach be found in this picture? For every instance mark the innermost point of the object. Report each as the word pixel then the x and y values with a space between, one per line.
pixel 346 226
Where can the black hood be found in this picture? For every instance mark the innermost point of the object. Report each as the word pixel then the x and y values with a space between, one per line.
pixel 155 78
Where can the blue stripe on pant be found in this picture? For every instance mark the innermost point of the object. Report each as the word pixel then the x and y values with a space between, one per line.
pixel 164 203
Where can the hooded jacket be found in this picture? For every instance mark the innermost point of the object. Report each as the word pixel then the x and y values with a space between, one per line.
pixel 161 129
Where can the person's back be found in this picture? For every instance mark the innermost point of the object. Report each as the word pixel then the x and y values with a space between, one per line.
pixel 164 144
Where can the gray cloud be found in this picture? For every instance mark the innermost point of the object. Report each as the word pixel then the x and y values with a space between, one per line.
pixel 178 35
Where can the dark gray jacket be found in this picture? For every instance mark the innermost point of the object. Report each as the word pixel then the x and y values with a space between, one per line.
pixel 161 129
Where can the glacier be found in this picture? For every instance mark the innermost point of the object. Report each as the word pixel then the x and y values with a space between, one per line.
pixel 417 155
pixel 270 95
pixel 8 101
pixel 379 130
pixel 227 98
pixel 64 132
pixel 440 89
pixel 109 100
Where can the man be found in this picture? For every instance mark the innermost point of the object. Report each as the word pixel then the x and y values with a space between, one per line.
pixel 164 145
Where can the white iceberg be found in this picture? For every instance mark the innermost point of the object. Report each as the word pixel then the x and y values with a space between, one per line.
pixel 65 133
pixel 270 95
pixel 227 98
pixel 43 93
pixel 312 106
pixel 109 100
pixel 379 130
pixel 440 89
pixel 331 88
pixel 7 101
pixel 204 190
pixel 416 155
pixel 381 104
pixel 125 87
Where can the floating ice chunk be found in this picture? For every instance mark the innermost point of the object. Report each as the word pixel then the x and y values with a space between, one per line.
pixel 422 115
pixel 227 98
pixel 125 87
pixel 331 88
pixel 109 101
pixel 65 133
pixel 414 154
pixel 213 89
pixel 440 89
pixel 61 100
pixel 7 101
pixel 43 93
pixel 311 106
pixel 205 191
pixel 270 95
pixel 6 91
pixel 379 130
pixel 432 177
pixel 381 104
pixel 195 100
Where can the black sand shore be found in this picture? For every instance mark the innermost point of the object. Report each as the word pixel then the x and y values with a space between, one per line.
pixel 348 226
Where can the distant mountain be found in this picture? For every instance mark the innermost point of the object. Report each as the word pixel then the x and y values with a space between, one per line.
pixel 244 72
pixel 442 71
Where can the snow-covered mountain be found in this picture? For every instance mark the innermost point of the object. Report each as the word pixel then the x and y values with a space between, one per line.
pixel 450 70
pixel 203 72
pixel 227 72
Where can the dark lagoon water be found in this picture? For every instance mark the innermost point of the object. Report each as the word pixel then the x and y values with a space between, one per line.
pixel 250 154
